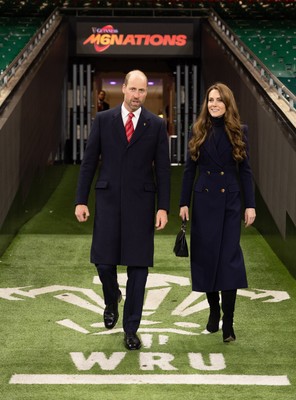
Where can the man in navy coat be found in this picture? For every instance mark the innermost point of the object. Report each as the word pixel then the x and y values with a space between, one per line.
pixel 133 180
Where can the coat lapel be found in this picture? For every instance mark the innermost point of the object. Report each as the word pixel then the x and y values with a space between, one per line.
pixel 224 145
pixel 211 149
pixel 118 125
pixel 216 152
pixel 142 125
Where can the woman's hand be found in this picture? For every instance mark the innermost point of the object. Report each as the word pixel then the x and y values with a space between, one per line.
pixel 184 213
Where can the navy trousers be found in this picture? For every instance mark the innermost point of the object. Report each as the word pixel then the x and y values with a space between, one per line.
pixel 135 292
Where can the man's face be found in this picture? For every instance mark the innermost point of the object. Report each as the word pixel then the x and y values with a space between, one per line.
pixel 135 92
pixel 101 96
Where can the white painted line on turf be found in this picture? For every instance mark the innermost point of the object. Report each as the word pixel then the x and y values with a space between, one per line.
pixel 213 379
pixel 70 324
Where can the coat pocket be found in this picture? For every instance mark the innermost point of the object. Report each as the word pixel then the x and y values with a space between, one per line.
pixel 101 185
pixel 200 186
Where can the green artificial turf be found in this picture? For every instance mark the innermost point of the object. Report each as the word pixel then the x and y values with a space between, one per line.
pixel 51 322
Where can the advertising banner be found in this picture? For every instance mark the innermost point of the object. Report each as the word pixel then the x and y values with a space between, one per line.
pixel 135 39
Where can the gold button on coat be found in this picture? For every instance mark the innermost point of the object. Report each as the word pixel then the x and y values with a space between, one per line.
pixel 222 173
pixel 222 190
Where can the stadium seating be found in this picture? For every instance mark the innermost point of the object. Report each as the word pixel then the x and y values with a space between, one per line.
pixel 276 10
pixel 268 29
pixel 14 35
pixel 274 43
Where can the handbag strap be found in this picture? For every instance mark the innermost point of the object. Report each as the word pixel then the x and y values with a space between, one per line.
pixel 183 225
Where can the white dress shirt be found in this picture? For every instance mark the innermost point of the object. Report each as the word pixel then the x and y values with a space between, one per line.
pixel 125 113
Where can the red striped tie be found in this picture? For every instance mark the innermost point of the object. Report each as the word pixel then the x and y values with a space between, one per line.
pixel 129 127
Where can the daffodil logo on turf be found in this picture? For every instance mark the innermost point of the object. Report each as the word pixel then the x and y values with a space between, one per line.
pixel 182 315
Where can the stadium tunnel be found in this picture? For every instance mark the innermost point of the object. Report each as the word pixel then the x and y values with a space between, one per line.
pixel 48 101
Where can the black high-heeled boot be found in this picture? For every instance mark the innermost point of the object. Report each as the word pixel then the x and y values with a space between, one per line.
pixel 214 317
pixel 228 306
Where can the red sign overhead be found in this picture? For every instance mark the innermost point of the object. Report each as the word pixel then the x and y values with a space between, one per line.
pixel 135 39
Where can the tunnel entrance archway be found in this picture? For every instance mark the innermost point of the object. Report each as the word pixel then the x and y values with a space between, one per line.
pixel 173 94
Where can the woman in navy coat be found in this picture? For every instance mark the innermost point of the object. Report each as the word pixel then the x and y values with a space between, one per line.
pixel 133 181
pixel 218 151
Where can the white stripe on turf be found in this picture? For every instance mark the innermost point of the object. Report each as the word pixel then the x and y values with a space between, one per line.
pixel 213 379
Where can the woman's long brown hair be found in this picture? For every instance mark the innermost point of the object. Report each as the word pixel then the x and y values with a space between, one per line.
pixel 202 126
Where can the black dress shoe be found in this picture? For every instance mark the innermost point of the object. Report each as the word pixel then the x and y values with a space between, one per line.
pixel 131 341
pixel 111 313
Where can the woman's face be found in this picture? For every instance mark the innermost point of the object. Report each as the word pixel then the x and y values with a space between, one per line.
pixel 216 107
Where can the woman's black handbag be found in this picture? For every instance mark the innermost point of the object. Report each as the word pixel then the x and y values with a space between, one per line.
pixel 181 248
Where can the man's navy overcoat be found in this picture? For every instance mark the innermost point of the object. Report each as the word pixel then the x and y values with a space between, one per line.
pixel 133 180
pixel 216 257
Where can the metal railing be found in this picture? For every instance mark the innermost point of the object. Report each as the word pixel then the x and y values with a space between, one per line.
pixel 139 11
pixel 19 60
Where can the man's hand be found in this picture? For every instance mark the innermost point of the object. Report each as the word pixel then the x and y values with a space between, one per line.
pixel 161 219
pixel 250 215
pixel 81 212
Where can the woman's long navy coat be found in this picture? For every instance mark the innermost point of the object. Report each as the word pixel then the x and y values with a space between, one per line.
pixel 132 176
pixel 216 257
